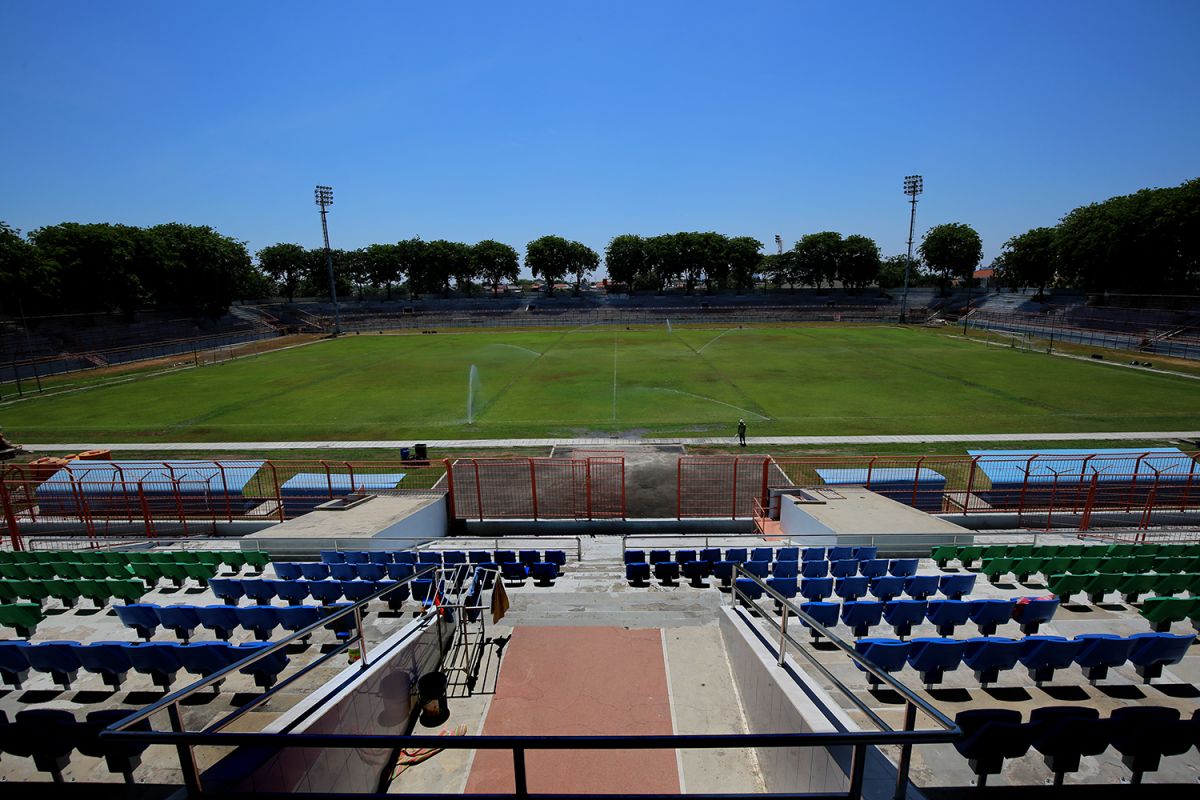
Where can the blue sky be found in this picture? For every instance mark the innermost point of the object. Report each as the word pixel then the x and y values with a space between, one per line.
pixel 480 120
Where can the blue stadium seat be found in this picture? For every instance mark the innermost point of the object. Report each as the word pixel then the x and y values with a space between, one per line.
pixel 513 571
pixel 286 570
pixel 435 556
pixel 762 554
pixel 933 657
pixel 377 572
pixel 989 613
pixel 710 554
pixel 487 574
pixel 637 573
pixel 988 656
pixel 479 557
pixel 265 670
pixel 1099 652
pixel 903 566
pixel 788 554
pixel 1032 614
pixel 666 571
pixel 787 569
pixel 380 557
pixel 142 617
pixel 851 588
pixel 401 570
pixel 356 591
pixel 748 589
pixel 862 615
pixel 180 619
pixel 559 558
pixel 543 572
pixel 1042 655
pixel 659 555
pixel 106 659
pixel 1143 735
pixel 866 553
pixel 816 589
pixel 635 556
pixel 844 568
pixel 684 556
pixel 737 554
pixel 888 655
pixel 948 614
pixel 122 757
pixel 325 591
pixel 695 572
pixel 343 627
pixel 809 569
pixel 14 665
pixel 295 618
pixel 824 613
pixel 343 572
pixel 259 590
pixel 228 590
pixel 406 557
pixel 314 570
pixel 396 597
pixel 421 589
pixel 921 587
pixel 47 735
pixel 294 592
pixel 784 586
pixel 221 620
pixel 990 735
pixel 206 658
pixel 724 571
pixel 261 620
pixel 56 658
pixel 1153 651
pixel 333 557
pixel 758 568
pixel 528 557
pixel 1064 734
pixel 159 660
pixel 957 586
pixel 814 554
pixel 887 587
pixel 873 567
pixel 840 554
pixel 356 556
pixel 903 614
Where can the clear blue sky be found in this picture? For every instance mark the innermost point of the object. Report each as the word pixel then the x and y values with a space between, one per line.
pixel 474 120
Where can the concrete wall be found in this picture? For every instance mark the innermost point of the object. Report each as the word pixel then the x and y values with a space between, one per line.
pixel 379 700
pixel 430 522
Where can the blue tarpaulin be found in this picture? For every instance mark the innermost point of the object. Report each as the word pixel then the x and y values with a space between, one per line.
pixel 306 490
pixel 896 483
pixel 108 486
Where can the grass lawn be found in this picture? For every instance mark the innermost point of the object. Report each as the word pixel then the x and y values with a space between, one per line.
pixel 602 380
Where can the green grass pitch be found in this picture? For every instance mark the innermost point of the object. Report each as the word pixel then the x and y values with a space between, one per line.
pixel 603 380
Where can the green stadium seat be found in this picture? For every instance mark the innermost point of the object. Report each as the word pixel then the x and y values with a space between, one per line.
pixel 148 572
pixel 185 557
pixel 1046 551
pixel 1142 562
pixel 212 558
pixel 6 557
pixel 64 590
pixel 1173 583
pixel 13 572
pixel 137 557
pixel 112 557
pixel 34 591
pixel 1119 550
pixel 93 571
pixel 175 573
pixel 1133 586
pixel 161 557
pixel 1020 551
pixel 47 556
pixel 1118 564
pixel 1162 611
pixel 1147 549
pixel 26 557
pixel 1191 564
pixel 994 551
pixel 236 559
pixel 116 571
pixel 1102 584
pixel 1170 563
pixel 1085 565
pixel 994 568
pixel 130 591
pixel 69 569
pixel 95 590
pixel 1171 550
pixel 258 559
pixel 8 594
pixel 201 573
pixel 22 617
pixel 88 557
pixel 1024 567
pixel 1055 566
pixel 1067 585
pixel 942 554
pixel 968 555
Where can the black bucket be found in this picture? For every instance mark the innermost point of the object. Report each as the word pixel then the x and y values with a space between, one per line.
pixel 431 695
pixel 419 452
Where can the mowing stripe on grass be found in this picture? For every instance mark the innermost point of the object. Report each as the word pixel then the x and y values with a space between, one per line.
pixel 711 400
pixel 718 336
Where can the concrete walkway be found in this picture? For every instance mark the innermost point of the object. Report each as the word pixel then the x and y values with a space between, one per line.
pixel 615 441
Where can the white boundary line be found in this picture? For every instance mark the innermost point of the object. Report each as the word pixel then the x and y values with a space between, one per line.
pixel 671 706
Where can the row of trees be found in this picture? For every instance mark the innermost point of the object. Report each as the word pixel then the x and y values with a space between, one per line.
pixel 1148 241
pixel 76 267
pixel 653 262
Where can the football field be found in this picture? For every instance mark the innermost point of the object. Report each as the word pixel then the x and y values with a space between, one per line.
pixel 602 380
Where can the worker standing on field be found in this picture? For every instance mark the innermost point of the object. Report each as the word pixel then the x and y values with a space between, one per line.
pixel 742 432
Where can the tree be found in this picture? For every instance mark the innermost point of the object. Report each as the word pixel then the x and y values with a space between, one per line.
pixel 780 268
pixel 663 260
pixel 100 266
pixel 28 282
pixel 582 261
pixel 495 262
pixel 317 279
pixel 745 258
pixel 446 260
pixel 818 256
pixel 286 263
pixel 858 265
pixel 201 269
pixel 712 251
pixel 358 268
pixel 891 272
pixel 549 258
pixel 952 250
pixel 1028 259
pixel 411 255
pixel 626 259
pixel 384 265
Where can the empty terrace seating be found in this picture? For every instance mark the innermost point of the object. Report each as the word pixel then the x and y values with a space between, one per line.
pixel 1023 560
pixel 447 558
pixel 50 737
pixel 1099 585
pixel 222 620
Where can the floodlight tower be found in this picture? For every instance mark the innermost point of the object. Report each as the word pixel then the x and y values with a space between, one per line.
pixel 913 186
pixel 324 198
pixel 779 243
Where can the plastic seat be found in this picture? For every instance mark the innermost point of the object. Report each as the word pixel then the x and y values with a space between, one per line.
pixel 544 572
pixel 516 572
pixel 748 590
pixel 343 572
pixel 922 587
pixel 314 570
pixel 14 664
pixel 1143 735
pixel 637 573
pixel 1042 655
pixel 786 586
pixel 142 617
pixel 400 570
pixel 684 556
pixel 261 620
pixel 866 553
pixel 813 554
pixel 793 554
pixel 294 592
pixel 286 570
pixel 851 588
pixel 46 735
pixel 710 554
pixel 1162 611
pixel 180 619
pixel 159 660
pixel 435 556
pixel 1100 585
pixel 887 587
pixel 695 572
pixel 736 554
pixel 932 657
pixel 221 620
pixel 130 591
pixel 356 556
pixel 887 655
pixel 787 569
pixel 1153 651
pixel 325 591
pixel 903 614
pixel 873 567
pixel 122 757
pixel 259 590
pixel 357 591
pixel 997 568
pixel 942 554
pixel 1133 586
pixel 65 591
pixel 988 656
pixel 659 555
pixel 421 589
pixel 479 557
pixel 333 557
pixel 816 589
pixel 1064 734
pixel 1034 612
pixel 1099 652
pixel 265 670
pixel 667 572
pixel 228 590
pixel 809 569
pixel 757 568
pixel 762 554
pixel 990 613
pixel 956 586
pixel 296 618
pixel 826 614
pixel 840 554
pixel 843 568
pixel 903 566
pixel 377 572
pixel 948 614
pixel 635 556
pixel 206 658
pixel 862 615
pixel 56 658
pixel 409 557
pixel 399 593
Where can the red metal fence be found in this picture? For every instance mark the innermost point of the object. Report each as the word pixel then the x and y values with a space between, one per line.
pixel 538 488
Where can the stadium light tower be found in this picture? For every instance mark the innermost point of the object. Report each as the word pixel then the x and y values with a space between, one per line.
pixel 324 198
pixel 913 186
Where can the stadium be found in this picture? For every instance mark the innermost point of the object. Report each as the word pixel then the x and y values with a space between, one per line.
pixel 621 515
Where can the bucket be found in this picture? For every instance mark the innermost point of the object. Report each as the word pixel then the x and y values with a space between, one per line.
pixel 404 454
pixel 95 455
pixel 420 452
pixel 431 695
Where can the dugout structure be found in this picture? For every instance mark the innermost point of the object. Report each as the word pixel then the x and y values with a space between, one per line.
pixel 131 488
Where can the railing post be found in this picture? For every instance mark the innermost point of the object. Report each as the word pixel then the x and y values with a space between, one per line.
pixel 970 485
pixel 532 487
pixel 910 722
pixel 362 639
pixel 521 787
pixel 623 487
pixel 145 510
pixel 478 488
pixel 783 636
pixel 450 486
pixel 917 480
pixel 587 467
pixel 278 494
pixel 733 500
pixel 10 518
pixel 858 763
pixel 187 758
pixel 766 479
pixel 679 489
